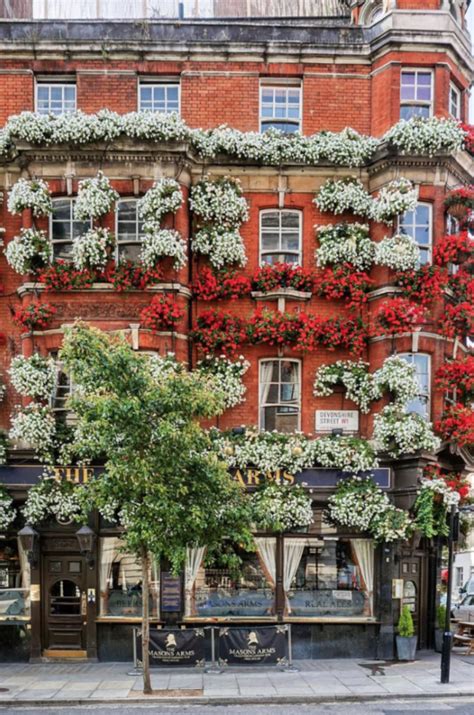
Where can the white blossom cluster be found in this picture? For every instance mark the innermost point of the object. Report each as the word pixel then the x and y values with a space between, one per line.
pixel 341 195
pixel 397 432
pixel 219 202
pixel 35 425
pixel 49 499
pixel 345 243
pixel 163 242
pixel 228 375
pixel 281 508
pixel 33 376
pixel 162 367
pixel 95 197
pixel 3 391
pixel 28 251
pixel 30 194
pixel 350 454
pixel 353 375
pixel 426 135
pixel 397 197
pixel 223 247
pixel 92 249
pixel 164 197
pixel 439 486
pixel 398 252
pixel 7 511
pixel 398 377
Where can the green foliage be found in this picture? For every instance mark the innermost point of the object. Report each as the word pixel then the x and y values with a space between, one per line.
pixel 406 629
pixel 440 616
pixel 163 482
pixel 430 514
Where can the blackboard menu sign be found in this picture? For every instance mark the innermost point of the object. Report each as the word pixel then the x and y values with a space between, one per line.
pixel 171 601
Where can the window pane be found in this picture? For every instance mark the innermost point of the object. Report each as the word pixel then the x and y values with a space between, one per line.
pixel 127 210
pixel 290 241
pixel 290 219
pixel 270 241
pixel 282 419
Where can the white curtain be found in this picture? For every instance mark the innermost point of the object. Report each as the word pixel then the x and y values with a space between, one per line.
pixel 25 574
pixel 109 546
pixel 266 550
pixel 363 551
pixel 194 559
pixel 292 553
pixel 266 371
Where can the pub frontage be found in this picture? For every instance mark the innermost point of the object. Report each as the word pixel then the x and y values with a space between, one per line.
pixel 74 592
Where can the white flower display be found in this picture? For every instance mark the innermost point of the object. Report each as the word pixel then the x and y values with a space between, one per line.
pixel 341 195
pixel 30 194
pixel 228 375
pixel 398 252
pixel 353 375
pixel 397 197
pixel 162 367
pixel 397 432
pixel 52 499
pixel 222 247
pixel 164 197
pixel 438 486
pixel 95 197
pixel 35 425
pixel 426 135
pixel 345 243
pixel 155 126
pixel 160 243
pixel 350 454
pixel 7 510
pixel 92 249
pixel 219 202
pixel 33 376
pixel 398 377
pixel 281 508
pixel 30 250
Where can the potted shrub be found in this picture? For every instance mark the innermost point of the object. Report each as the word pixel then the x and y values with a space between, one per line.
pixel 406 638
pixel 439 630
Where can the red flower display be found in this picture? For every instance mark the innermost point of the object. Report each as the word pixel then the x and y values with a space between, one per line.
pixel 218 332
pixel 469 138
pixel 458 320
pixel 457 375
pixel 274 328
pixel 454 248
pixel 461 284
pixel 282 275
pixel 62 276
pixel 128 275
pixel 424 285
pixel 398 315
pixel 460 202
pixel 457 425
pixel 453 480
pixel 210 285
pixel 35 316
pixel 162 314
pixel 343 283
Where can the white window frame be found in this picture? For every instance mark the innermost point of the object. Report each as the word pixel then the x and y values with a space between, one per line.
pixel 420 394
pixel 456 92
pixel 50 83
pixel 71 221
pixel 156 84
pixel 268 84
pixel 298 253
pixel 417 102
pixel 139 237
pixel 261 407
pixel 424 247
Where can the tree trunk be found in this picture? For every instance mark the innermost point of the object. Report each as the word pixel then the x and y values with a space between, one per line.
pixel 145 623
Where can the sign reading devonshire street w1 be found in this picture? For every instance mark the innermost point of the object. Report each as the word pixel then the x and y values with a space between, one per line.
pixel 327 420
pixel 175 647
pixel 264 644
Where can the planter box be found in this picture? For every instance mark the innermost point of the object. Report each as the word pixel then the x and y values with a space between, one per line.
pixel 406 647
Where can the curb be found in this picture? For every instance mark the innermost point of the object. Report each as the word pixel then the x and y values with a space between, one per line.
pixel 235 700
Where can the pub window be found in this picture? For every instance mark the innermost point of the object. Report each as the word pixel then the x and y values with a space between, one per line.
pixel 14 581
pixel 63 227
pixel 129 229
pixel 159 97
pixel 55 98
pixel 120 579
pixel 421 403
pixel 330 578
pixel 454 101
pixel 416 94
pixel 280 107
pixel 279 392
pixel 418 224
pixel 214 590
pixel 280 237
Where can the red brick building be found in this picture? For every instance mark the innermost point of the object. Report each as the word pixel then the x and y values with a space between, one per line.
pixel 329 65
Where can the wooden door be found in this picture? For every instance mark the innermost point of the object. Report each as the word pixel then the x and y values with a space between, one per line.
pixel 64 600
pixel 413 586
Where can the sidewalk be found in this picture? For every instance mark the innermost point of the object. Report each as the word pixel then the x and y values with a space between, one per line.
pixel 315 681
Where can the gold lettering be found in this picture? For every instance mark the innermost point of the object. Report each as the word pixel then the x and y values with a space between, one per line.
pixel 253 477
pixel 288 478
pixel 87 474
pixel 58 473
pixel 69 477
pixel 239 478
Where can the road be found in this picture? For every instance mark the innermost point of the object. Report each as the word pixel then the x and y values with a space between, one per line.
pixel 451 706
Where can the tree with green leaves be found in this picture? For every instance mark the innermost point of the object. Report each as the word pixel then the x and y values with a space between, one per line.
pixel 163 483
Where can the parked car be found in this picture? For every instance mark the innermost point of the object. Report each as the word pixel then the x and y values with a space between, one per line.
pixel 464 610
pixel 468 587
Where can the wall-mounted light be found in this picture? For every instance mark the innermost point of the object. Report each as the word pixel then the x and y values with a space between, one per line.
pixel 29 543
pixel 86 539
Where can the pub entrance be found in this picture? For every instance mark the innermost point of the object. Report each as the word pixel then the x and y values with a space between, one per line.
pixel 63 599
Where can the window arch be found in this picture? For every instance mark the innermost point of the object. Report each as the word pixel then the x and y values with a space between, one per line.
pixel 280 236
pixel 419 225
pixel 63 227
pixel 421 403
pixel 280 394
